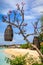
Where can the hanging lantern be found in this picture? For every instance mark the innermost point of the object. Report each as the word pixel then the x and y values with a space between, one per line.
pixel 8 35
pixel 36 42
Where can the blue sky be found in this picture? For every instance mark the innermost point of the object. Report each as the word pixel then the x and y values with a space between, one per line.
pixel 32 8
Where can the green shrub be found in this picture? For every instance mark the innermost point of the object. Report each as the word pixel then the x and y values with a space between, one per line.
pixel 25 46
pixel 20 60
pixel 23 60
pixel 41 49
pixel 41 37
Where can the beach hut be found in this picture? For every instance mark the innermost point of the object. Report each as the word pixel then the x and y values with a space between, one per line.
pixel 8 34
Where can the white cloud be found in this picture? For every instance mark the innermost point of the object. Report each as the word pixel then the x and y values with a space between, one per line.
pixel 36 6
pixel 9 5
pixel 38 9
pixel 27 17
pixel 35 3
pixel 32 5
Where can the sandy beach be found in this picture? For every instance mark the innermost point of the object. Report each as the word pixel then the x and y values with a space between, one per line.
pixel 18 52
pixel 13 52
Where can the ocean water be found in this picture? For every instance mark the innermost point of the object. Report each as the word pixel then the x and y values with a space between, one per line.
pixel 2 57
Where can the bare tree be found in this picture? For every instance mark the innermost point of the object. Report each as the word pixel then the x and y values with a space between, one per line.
pixel 20 25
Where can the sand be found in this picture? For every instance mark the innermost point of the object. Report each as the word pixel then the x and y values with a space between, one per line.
pixel 13 52
pixel 17 52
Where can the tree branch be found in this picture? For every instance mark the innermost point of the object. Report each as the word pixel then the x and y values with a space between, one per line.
pixel 11 24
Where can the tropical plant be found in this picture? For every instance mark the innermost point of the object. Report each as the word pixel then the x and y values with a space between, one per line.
pixel 22 60
pixel 25 46
pixel 41 37
pixel 19 60
pixel 41 49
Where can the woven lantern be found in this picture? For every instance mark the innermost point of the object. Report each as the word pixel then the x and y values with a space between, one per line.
pixel 36 42
pixel 8 35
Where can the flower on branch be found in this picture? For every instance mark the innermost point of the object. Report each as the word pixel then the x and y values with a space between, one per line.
pixel 23 3
pixel 18 7
pixel 24 24
pixel 5 16
pixel 9 12
pixel 17 4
